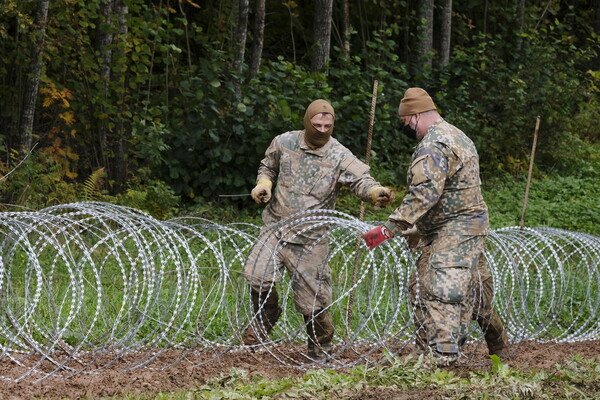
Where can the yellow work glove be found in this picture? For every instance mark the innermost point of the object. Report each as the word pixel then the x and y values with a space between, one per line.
pixel 382 196
pixel 262 191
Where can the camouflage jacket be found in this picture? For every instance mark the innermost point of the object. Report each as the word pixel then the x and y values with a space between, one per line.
pixel 307 179
pixel 444 187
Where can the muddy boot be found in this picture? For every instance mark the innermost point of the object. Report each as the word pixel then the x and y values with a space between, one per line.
pixel 319 328
pixel 421 345
pixel 445 359
pixel 266 313
pixel 495 336
pixel 445 354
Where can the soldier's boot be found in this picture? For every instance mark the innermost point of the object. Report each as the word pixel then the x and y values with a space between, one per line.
pixel 421 345
pixel 495 335
pixel 266 313
pixel 319 328
pixel 445 354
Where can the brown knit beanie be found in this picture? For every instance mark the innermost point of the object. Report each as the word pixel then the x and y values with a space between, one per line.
pixel 415 101
pixel 312 136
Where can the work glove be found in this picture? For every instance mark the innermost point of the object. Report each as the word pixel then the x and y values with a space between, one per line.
pixel 376 236
pixel 262 191
pixel 382 196
pixel 412 237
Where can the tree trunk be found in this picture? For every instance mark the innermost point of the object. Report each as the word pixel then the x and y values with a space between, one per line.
pixel 33 80
pixel 446 33
pixel 405 49
pixel 322 34
pixel 596 5
pixel 521 14
pixel 345 28
pixel 521 19
pixel 485 17
pixel 258 35
pixel 425 33
pixel 240 32
pixel 122 126
pixel 102 43
pixel 187 35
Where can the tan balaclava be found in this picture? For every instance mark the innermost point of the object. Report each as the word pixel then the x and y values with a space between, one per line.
pixel 415 101
pixel 312 136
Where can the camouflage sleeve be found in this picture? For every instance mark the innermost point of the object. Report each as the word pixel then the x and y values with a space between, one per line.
pixel 269 166
pixel 356 176
pixel 426 180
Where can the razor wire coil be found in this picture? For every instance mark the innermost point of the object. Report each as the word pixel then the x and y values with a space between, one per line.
pixel 89 286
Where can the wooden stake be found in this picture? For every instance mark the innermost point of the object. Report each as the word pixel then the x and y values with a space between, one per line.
pixel 361 213
pixel 535 136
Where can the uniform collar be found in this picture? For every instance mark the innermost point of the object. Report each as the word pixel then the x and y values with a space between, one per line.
pixel 432 127
pixel 436 123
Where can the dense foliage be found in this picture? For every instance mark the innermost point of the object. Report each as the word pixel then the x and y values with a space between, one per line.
pixel 161 123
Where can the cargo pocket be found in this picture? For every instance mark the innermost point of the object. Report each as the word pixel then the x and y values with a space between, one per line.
pixel 450 276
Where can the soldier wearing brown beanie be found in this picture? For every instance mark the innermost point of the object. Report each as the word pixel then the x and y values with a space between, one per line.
pixel 445 217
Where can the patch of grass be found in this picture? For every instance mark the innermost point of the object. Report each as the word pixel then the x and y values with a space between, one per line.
pixel 578 378
pixel 569 203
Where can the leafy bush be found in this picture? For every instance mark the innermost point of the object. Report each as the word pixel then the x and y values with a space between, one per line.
pixel 39 181
pixel 150 195
pixel 219 141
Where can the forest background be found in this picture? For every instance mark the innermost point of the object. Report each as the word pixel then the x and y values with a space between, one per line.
pixel 164 105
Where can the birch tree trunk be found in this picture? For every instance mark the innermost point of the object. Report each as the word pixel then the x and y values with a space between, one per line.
pixel 425 33
pixel 33 80
pixel 240 33
pixel 322 34
pixel 258 35
pixel 446 33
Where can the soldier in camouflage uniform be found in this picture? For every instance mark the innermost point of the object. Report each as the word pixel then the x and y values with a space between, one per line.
pixel 302 170
pixel 445 216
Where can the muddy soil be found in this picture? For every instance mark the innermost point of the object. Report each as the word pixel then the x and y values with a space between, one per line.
pixel 175 369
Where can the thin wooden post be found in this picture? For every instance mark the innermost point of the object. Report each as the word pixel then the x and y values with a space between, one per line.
pixel 530 173
pixel 361 213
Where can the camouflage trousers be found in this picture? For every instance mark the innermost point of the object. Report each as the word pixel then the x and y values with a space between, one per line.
pixel 306 265
pixel 482 294
pixel 451 286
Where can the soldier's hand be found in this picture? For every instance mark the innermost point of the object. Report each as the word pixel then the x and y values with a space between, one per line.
pixel 262 191
pixel 376 236
pixel 412 237
pixel 382 196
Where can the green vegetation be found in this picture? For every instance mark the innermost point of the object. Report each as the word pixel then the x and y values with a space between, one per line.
pixel 565 202
pixel 574 379
pixel 143 108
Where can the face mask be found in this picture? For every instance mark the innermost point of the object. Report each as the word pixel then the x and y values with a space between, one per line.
pixel 315 138
pixel 410 132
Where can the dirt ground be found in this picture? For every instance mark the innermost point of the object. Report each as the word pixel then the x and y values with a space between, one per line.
pixel 195 368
